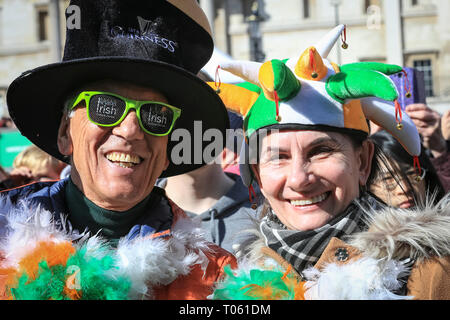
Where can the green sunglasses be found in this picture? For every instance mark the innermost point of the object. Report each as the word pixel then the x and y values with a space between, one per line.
pixel 108 110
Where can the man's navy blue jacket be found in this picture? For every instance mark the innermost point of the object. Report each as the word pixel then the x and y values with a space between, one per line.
pixel 51 197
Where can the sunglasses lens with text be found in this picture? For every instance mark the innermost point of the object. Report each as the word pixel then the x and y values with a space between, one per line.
pixel 105 109
pixel 156 118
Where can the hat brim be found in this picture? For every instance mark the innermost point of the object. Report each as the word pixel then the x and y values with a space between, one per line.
pixel 36 99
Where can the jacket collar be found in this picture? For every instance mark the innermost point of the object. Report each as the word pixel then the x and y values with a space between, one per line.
pixel 392 233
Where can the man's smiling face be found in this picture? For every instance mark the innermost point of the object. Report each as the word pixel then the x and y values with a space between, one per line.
pixel 115 167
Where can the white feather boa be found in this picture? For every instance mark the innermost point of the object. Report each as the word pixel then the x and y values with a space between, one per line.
pixel 147 262
pixel 151 262
pixel 363 279
pixel 395 239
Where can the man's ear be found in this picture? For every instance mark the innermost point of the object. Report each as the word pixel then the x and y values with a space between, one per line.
pixel 166 165
pixel 365 161
pixel 65 145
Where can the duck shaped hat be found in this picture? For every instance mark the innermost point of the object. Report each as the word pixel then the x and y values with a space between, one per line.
pixel 311 93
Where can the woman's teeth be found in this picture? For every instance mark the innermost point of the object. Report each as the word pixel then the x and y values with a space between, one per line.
pixel 309 201
pixel 123 160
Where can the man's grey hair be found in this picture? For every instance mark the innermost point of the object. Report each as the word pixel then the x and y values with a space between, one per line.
pixel 67 114
pixel 67 107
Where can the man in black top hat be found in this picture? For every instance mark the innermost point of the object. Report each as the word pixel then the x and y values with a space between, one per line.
pixel 126 82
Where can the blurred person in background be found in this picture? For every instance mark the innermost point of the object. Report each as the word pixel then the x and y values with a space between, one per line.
pixel 445 123
pixel 230 153
pixel 30 166
pixel 397 183
pixel 428 123
pixel 6 122
pixel 215 194
pixel 5 180
pixel 15 178
pixel 37 165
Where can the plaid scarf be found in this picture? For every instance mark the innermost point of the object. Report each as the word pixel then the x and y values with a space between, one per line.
pixel 304 248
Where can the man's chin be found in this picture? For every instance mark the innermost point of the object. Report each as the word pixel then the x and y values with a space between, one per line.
pixel 125 196
pixel 120 204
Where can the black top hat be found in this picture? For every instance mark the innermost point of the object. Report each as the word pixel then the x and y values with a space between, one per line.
pixel 161 44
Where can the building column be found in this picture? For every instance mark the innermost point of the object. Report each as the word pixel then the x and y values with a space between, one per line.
pixel 55 30
pixel 209 9
pixel 443 19
pixel 394 32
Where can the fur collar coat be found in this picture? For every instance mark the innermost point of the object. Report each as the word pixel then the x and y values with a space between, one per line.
pixel 403 254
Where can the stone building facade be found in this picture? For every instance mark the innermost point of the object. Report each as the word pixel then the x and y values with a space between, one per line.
pixel 411 33
pixel 27 38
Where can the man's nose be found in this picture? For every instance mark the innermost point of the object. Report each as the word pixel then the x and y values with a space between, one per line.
pixel 129 128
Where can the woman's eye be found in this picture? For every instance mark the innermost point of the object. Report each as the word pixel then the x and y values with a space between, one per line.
pixel 278 157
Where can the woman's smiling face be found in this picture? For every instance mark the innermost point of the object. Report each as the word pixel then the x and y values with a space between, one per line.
pixel 309 177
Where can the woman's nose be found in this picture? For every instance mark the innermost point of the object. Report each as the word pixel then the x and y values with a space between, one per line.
pixel 300 175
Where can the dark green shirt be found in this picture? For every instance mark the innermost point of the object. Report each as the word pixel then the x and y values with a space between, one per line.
pixel 153 211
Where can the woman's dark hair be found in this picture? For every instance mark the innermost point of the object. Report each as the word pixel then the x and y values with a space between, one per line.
pixel 393 150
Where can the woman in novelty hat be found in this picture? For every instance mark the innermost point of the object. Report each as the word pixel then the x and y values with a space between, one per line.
pixel 322 235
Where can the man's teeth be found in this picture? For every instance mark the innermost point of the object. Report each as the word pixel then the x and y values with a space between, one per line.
pixel 124 160
pixel 309 201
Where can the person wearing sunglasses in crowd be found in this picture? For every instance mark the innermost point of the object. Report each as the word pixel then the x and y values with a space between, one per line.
pixel 126 83
pixel 411 189
pixel 322 235
pixel 431 127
